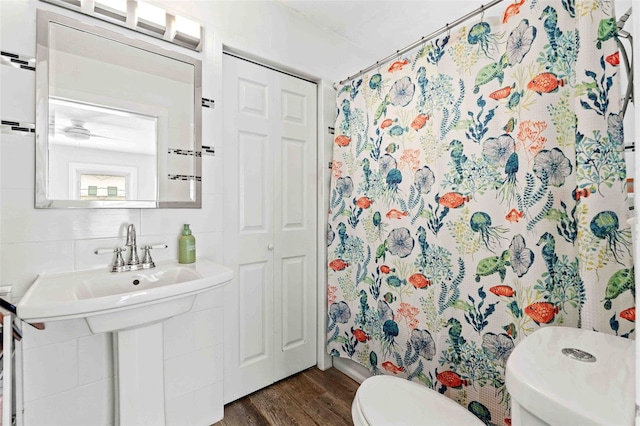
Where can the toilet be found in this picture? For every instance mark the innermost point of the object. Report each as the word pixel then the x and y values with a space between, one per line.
pixel 556 376
pixel 389 400
pixel 572 376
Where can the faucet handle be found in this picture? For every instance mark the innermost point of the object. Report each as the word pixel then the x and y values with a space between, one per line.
pixel 109 250
pixel 146 259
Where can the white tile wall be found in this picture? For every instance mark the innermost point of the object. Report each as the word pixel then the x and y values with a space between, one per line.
pixel 67 371
pixel 16 174
pixel 187 373
pixel 93 365
pixel 195 408
pixel 50 369
pixel 18 94
pixel 81 406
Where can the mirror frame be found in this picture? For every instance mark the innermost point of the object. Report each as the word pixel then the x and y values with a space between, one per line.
pixel 42 116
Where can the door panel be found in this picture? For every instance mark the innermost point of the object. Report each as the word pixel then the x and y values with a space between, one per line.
pixel 294 316
pixel 253 311
pixel 252 182
pixel 295 173
pixel 270 225
pixel 293 183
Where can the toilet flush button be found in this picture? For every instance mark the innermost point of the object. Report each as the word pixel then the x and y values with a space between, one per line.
pixel 578 355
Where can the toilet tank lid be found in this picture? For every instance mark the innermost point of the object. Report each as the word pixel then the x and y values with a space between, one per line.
pixel 389 400
pixel 555 387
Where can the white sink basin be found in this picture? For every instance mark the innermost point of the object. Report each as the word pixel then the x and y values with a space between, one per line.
pixel 118 301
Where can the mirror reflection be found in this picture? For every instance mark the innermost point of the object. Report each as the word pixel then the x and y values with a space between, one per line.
pixel 118 120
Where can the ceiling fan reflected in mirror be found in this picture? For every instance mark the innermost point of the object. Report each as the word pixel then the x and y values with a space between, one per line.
pixel 78 131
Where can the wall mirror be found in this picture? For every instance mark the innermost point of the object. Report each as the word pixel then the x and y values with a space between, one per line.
pixel 118 120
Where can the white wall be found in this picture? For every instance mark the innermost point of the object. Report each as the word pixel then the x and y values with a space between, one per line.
pixel 65 366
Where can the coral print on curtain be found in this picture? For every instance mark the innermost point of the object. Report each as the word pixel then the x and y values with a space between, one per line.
pixel 478 195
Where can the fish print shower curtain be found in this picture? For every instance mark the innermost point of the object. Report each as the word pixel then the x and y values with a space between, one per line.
pixel 478 194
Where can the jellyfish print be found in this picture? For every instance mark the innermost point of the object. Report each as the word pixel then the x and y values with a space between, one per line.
pixel 377 84
pixel 509 189
pixel 390 332
pixel 490 235
pixel 394 178
pixel 480 34
pixel 605 225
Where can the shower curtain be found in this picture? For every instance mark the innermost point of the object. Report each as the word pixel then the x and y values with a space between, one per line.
pixel 478 194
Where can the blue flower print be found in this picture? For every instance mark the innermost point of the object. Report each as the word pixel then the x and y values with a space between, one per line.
pixel 615 129
pixel 400 242
pixel 386 163
pixel 498 346
pixel 344 186
pixel 423 343
pixel 497 150
pixel 340 312
pixel 520 256
pixel 554 164
pixel 520 41
pixel 402 91
pixel 424 179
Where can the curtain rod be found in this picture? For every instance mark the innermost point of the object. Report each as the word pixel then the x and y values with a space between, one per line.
pixel 424 39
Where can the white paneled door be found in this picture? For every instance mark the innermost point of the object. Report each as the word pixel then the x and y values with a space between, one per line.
pixel 270 181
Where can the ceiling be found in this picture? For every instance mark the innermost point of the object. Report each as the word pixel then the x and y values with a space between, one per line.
pixel 382 27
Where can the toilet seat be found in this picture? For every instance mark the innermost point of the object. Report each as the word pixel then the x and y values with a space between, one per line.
pixel 388 400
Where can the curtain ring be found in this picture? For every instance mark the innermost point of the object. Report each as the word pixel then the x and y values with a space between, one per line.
pixel 482 13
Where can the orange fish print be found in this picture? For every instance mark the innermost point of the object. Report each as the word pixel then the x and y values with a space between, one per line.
pixel 392 368
pixel 419 122
pixel 512 10
pixel 397 66
pixel 338 264
pixel 343 140
pixel 419 281
pixel 547 82
pixel 502 93
pixel 396 214
pixel 386 123
pixel 542 312
pixel 514 216
pixel 360 335
pixel 385 269
pixel 364 202
pixel 629 314
pixel 502 290
pixel 613 59
pixel 581 193
pixel 453 200
pixel 451 379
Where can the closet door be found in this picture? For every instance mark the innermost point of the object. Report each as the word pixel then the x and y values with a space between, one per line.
pixel 269 217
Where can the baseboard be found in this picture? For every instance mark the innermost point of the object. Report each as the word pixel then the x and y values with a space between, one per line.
pixel 352 369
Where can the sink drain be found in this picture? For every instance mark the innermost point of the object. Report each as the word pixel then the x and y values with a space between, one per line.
pixel 578 355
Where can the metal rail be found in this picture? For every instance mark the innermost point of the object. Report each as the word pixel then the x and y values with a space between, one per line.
pixel 424 39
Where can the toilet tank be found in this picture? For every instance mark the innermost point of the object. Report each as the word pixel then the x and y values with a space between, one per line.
pixel 571 376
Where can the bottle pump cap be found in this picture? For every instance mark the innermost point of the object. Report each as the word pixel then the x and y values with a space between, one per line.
pixel 186 230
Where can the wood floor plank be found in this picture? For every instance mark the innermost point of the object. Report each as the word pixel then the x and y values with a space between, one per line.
pixel 309 398
pixel 280 409
pixel 327 410
pixel 343 390
pixel 242 412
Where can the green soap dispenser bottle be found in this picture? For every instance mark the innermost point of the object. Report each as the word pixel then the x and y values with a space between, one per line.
pixel 186 246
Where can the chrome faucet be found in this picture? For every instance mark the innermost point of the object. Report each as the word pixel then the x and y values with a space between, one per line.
pixel 133 263
pixel 133 260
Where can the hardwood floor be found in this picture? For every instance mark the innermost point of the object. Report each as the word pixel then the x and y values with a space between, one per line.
pixel 311 397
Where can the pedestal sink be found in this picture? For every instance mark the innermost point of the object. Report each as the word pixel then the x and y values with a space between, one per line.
pixel 132 305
